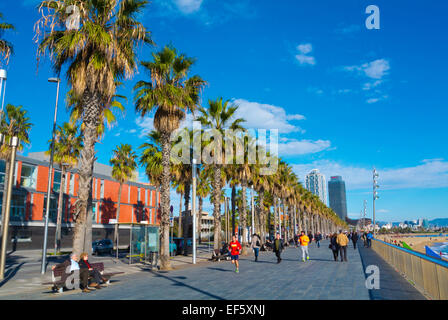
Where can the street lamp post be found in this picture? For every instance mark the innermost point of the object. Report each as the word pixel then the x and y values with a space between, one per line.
pixel 375 196
pixel 13 143
pixel 47 211
pixel 193 207
pixel 3 76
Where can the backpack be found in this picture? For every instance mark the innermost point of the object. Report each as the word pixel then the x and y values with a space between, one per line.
pixel 257 244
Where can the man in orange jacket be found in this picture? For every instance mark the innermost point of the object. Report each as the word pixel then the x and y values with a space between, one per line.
pixel 304 240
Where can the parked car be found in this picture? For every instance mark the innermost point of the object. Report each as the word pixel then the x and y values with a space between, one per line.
pixel 102 246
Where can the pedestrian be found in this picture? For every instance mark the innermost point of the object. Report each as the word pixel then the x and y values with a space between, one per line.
pixel 278 247
pixel 235 250
pixel 318 238
pixel 342 241
pixel 304 240
pixel 369 239
pixel 310 236
pixel 334 246
pixel 364 239
pixel 73 262
pixel 255 244
pixel 94 273
pixel 354 239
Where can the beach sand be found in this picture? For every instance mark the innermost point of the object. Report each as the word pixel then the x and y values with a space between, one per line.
pixel 416 243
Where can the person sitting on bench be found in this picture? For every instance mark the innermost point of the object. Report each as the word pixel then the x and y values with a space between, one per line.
pixel 74 265
pixel 95 274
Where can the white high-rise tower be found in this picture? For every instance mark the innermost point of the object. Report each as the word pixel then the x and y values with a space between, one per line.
pixel 316 184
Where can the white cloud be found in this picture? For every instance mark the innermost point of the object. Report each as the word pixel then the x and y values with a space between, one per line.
pixel 146 125
pixel 303 58
pixel 188 6
pixel 305 48
pixel 372 100
pixel 432 173
pixel 293 147
pixel 382 211
pixel 376 69
pixel 266 116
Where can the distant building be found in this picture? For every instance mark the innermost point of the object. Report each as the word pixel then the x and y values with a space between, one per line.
pixel 425 223
pixel 337 196
pixel 316 184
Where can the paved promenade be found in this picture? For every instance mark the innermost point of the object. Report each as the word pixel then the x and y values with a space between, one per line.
pixel 320 278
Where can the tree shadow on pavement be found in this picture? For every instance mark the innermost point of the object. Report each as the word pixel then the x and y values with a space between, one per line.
pixel 219 269
pixel 10 273
pixel 182 284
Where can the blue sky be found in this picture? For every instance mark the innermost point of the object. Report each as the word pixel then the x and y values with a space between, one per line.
pixel 343 97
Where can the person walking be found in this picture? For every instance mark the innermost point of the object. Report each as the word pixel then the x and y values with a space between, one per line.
pixel 304 241
pixel 277 247
pixel 255 244
pixel 235 250
pixel 354 239
pixel 318 238
pixel 334 246
pixel 369 237
pixel 342 241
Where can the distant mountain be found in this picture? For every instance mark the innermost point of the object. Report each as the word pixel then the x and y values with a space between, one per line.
pixel 440 222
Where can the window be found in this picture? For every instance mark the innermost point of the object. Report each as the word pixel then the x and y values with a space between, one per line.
pixel 149 197
pixel 57 181
pixel 72 184
pixel 2 171
pixel 138 194
pixel 28 176
pixel 94 211
pixel 146 196
pixel 53 209
pixel 102 189
pixel 18 207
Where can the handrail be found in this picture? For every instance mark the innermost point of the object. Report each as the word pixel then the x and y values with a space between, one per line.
pixel 418 254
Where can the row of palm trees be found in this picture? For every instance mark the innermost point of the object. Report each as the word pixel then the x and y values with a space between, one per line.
pixel 97 58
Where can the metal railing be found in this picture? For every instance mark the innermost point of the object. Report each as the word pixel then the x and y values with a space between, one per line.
pixel 428 274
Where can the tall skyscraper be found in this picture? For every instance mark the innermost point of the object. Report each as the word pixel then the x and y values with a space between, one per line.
pixel 316 184
pixel 336 194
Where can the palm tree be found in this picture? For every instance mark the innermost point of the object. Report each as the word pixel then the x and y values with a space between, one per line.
pixel 99 54
pixel 14 123
pixel 171 93
pixel 219 116
pixel 67 147
pixel 123 163
pixel 6 48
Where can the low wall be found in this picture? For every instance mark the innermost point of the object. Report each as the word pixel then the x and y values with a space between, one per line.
pixel 429 274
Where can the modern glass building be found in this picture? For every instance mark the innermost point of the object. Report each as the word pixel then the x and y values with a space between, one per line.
pixel 337 196
pixel 316 184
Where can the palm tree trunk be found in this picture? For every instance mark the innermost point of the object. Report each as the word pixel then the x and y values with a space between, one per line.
pixel 275 215
pixel 116 239
pixel 185 225
pixel 216 206
pixel 233 210
pixel 199 224
pixel 57 236
pixel 82 233
pixel 165 263
pixel 179 221
pixel 243 216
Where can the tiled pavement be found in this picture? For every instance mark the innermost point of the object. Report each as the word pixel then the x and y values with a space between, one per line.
pixel 320 278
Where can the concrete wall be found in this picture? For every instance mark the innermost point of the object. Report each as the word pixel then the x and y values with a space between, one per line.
pixel 427 273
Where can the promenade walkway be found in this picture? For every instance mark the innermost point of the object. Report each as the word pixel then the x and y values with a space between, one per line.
pixel 320 278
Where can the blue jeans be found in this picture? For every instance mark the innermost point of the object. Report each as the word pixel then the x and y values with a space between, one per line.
pixel 318 243
pixel 256 251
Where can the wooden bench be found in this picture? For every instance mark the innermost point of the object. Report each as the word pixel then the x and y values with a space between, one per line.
pixel 59 276
pixel 217 256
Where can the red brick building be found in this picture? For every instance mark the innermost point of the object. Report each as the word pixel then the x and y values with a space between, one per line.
pixel 139 201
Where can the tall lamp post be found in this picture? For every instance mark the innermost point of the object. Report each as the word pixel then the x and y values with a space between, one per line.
pixel 375 196
pixel 47 211
pixel 193 207
pixel 3 76
pixel 13 143
pixel 252 209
